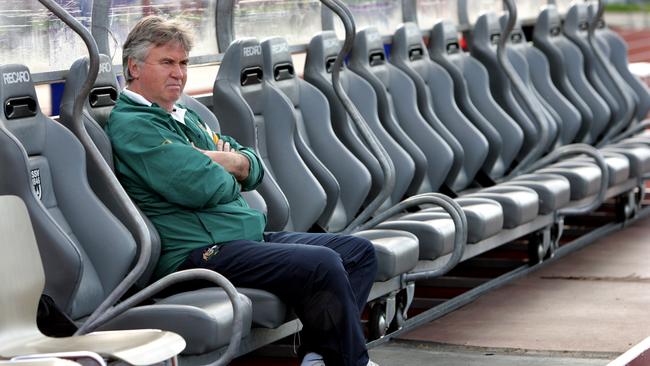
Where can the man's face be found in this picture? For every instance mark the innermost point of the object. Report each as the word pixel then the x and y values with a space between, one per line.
pixel 162 76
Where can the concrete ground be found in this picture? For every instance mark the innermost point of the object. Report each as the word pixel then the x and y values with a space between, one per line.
pixel 593 300
pixel 418 354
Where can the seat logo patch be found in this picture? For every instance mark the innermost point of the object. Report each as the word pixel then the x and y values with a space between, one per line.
pixel 331 43
pixel 36 182
pixel 15 77
pixel 373 37
pixel 252 51
pixel 280 48
pixel 104 67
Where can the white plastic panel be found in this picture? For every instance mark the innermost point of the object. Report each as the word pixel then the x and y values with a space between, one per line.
pixel 431 11
pixel 563 5
pixel 385 15
pixel 296 20
pixel 31 35
pixel 199 14
pixel 528 10
pixel 478 7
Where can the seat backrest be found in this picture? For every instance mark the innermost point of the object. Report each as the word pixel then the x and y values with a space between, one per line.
pixel 483 41
pixel 321 53
pixel 616 93
pixel 23 278
pixel 457 173
pixel 101 100
pixel 257 114
pixel 45 165
pixel 548 37
pixel 237 84
pixel 315 136
pixel 95 114
pixel 435 94
pixel 472 91
pixel 615 47
pixel 368 60
pixel 531 63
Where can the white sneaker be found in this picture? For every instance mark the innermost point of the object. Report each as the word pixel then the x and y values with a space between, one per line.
pixel 312 359
pixel 370 363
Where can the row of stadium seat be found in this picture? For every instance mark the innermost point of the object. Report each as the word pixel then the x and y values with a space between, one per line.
pixel 409 105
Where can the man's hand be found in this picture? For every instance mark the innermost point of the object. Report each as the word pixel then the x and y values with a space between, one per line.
pixel 226 156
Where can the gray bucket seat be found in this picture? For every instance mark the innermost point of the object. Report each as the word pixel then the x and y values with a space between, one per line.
pixel 411 56
pixel 615 47
pixel 485 217
pixel 558 48
pixel 77 234
pixel 315 136
pixel 264 105
pixel 258 114
pixel 398 104
pixel 583 176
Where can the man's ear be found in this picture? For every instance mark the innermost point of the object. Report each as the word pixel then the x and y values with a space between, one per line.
pixel 134 68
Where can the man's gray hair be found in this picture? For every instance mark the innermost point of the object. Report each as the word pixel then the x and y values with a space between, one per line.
pixel 153 31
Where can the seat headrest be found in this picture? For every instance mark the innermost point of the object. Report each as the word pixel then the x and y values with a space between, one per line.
pixel 548 23
pixel 408 44
pixel 242 63
pixel 368 50
pixel 487 30
pixel 278 65
pixel 443 38
pixel 21 113
pixel 576 19
pixel 517 35
pixel 103 94
pixel 17 92
pixel 321 52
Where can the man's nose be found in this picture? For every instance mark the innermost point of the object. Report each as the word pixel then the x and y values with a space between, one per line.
pixel 177 71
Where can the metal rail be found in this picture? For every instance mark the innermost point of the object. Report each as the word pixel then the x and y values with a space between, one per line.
pixel 370 139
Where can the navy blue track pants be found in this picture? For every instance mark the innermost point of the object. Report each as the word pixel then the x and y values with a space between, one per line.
pixel 325 278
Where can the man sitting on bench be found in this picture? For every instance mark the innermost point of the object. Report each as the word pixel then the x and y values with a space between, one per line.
pixel 187 180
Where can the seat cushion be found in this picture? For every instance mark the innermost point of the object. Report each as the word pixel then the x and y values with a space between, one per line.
pixel 520 204
pixel 618 166
pixel 268 310
pixel 583 178
pixel 397 251
pixel 554 190
pixel 637 154
pixel 435 236
pixel 484 217
pixel 202 317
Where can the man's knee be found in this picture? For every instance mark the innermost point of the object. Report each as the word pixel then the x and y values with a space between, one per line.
pixel 365 249
pixel 328 259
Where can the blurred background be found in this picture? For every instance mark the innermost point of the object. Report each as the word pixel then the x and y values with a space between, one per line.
pixel 30 35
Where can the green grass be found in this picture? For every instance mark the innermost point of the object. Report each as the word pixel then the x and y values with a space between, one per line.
pixel 627 8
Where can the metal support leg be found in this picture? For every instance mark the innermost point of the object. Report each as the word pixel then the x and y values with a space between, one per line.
pixel 556 235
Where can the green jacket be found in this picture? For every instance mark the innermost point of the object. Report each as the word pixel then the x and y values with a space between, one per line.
pixel 192 201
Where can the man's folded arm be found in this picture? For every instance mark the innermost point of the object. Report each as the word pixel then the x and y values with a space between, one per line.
pixel 172 167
